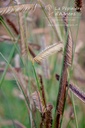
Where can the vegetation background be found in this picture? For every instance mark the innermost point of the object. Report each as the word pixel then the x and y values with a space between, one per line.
pixel 19 76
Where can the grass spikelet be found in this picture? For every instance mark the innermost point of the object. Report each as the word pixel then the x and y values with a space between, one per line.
pixel 75 90
pixel 62 84
pixel 78 5
pixel 48 51
pixel 16 8
pixel 69 48
pixel 38 101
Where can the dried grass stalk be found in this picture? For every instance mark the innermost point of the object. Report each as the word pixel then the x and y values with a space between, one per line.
pixel 11 24
pixel 31 51
pixel 22 34
pixel 9 123
pixel 7 38
pixel 17 62
pixel 45 63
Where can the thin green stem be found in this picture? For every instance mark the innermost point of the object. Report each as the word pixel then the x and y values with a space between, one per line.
pixel 7 65
pixel 73 102
pixel 36 77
